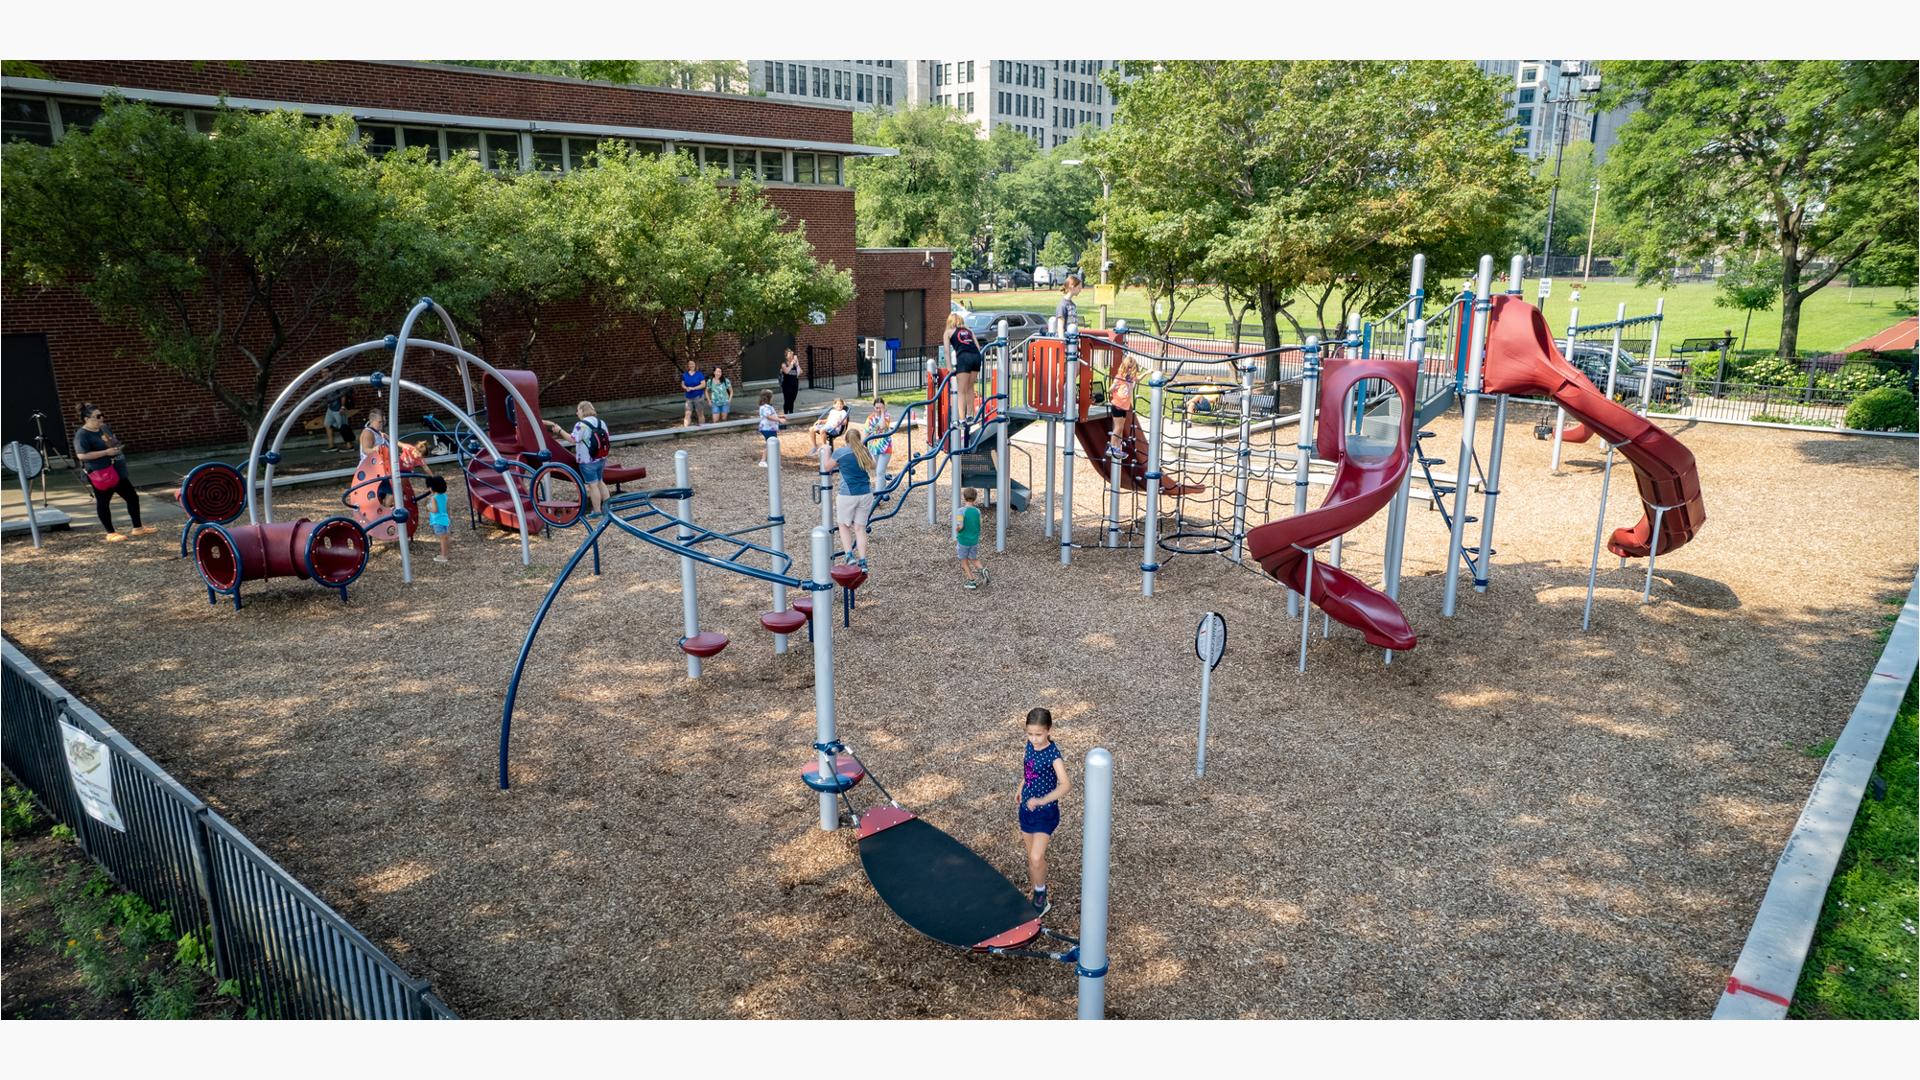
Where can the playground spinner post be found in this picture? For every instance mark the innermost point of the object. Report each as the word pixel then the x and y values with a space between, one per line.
pixel 689 597
pixel 1096 855
pixel 778 538
pixel 820 552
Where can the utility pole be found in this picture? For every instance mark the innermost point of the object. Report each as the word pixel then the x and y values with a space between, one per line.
pixel 1589 84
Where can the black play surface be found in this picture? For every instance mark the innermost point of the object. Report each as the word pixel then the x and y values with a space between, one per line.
pixel 938 886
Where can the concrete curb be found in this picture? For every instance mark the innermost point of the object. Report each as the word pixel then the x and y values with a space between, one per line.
pixel 1763 980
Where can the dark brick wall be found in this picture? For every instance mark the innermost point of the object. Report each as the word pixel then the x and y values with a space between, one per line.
pixel 875 271
pixel 154 408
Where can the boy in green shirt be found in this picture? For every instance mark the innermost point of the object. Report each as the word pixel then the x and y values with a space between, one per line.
pixel 966 540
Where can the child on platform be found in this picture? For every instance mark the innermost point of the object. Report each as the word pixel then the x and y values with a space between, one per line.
pixel 437 516
pixel 1043 783
pixel 966 540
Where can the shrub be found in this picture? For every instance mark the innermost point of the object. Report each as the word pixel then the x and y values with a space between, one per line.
pixel 1773 371
pixel 17 813
pixel 1890 408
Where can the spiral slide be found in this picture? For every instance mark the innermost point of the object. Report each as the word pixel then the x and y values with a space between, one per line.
pixel 1368 474
pixel 1522 358
pixel 1095 438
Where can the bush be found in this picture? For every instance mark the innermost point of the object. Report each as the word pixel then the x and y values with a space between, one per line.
pixel 1890 408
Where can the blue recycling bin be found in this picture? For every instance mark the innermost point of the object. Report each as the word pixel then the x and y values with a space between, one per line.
pixel 893 354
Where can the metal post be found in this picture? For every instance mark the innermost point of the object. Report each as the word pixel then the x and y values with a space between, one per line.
pixel 1469 418
pixel 1417 291
pixel 1052 450
pixel 1073 419
pixel 933 460
pixel 1303 449
pixel 1003 476
pixel 956 441
pixel 1150 549
pixel 1206 693
pixel 825 480
pixel 1397 510
pixel 1306 621
pixel 26 491
pixel 1243 461
pixel 778 522
pixel 1515 270
pixel 1096 853
pixel 1653 552
pixel 1114 452
pixel 1613 373
pixel 1560 412
pixel 1599 525
pixel 1653 350
pixel 821 555
pixel 1491 493
pixel 689 597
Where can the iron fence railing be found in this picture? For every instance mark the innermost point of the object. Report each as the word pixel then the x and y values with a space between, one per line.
pixel 293 957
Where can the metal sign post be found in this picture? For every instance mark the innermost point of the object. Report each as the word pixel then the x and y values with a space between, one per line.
pixel 27 463
pixel 1209 644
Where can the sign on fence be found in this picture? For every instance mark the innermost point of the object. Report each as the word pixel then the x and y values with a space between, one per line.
pixel 1546 287
pixel 90 764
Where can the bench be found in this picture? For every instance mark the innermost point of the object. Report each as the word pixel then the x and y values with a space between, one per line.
pixel 1192 327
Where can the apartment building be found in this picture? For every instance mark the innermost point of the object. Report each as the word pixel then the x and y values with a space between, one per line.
pixel 1048 101
pixel 861 85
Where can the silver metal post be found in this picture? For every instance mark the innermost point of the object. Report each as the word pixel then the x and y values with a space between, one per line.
pixel 1653 349
pixel 1613 372
pixel 1306 621
pixel 777 519
pixel 933 461
pixel 1003 475
pixel 821 555
pixel 1599 526
pixel 1242 461
pixel 1491 493
pixel 1073 419
pixel 1417 289
pixel 1469 420
pixel 1206 692
pixel 1303 448
pixel 1653 552
pixel 825 480
pixel 1114 452
pixel 1052 451
pixel 1515 270
pixel 1150 548
pixel 689 597
pixel 956 442
pixel 1096 856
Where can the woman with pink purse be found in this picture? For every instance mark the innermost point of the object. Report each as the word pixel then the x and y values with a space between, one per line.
pixel 99 452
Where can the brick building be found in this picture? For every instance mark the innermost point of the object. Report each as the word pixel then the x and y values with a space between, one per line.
pixel 58 353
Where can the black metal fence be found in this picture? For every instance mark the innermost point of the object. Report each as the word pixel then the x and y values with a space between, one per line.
pixel 293 957
pixel 909 372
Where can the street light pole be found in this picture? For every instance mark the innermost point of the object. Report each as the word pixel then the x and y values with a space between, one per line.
pixel 1106 195
pixel 1569 69
pixel 1593 222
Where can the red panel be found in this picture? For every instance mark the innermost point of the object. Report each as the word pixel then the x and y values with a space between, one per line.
pixel 1014 938
pixel 882 817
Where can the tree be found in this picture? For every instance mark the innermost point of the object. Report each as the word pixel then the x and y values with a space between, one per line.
pixel 1059 251
pixel 246 244
pixel 1307 182
pixel 1815 159
pixel 930 194
pixel 690 258
pixel 1052 200
pixel 1578 177
pixel 1749 284
pixel 720 76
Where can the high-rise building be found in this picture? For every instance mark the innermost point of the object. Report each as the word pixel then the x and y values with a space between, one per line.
pixel 861 85
pixel 1536 90
pixel 1048 101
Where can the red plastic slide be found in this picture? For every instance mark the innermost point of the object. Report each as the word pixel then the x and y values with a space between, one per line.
pixel 1362 485
pixel 1094 436
pixel 1523 359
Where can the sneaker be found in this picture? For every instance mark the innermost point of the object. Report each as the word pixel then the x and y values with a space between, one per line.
pixel 114 538
pixel 984 579
pixel 1042 901
pixel 439 558
pixel 144 530
pixel 863 564
pixel 763 464
pixel 971 584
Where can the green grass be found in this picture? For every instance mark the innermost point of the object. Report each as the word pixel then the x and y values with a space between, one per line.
pixel 1833 319
pixel 1862 965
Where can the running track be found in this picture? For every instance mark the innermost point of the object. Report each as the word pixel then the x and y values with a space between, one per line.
pixel 1901 335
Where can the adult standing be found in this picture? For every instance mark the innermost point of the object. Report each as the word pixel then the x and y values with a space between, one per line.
pixel 964 350
pixel 720 390
pixel 851 511
pixel 591 443
pixel 101 453
pixel 789 380
pixel 693 382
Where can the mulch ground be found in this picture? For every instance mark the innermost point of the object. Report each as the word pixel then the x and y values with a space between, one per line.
pixel 1515 819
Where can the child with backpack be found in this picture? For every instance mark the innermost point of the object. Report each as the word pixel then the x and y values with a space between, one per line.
pixel 591 442
pixel 437 516
pixel 966 540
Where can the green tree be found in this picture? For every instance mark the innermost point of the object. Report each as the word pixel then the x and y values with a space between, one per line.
pixel 1054 201
pixel 1750 283
pixel 690 258
pixel 1814 159
pixel 1579 185
pixel 930 193
pixel 243 245
pixel 721 76
pixel 1060 251
pixel 1308 183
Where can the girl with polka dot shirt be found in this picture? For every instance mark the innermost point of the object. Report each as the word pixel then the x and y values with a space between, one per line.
pixel 1043 783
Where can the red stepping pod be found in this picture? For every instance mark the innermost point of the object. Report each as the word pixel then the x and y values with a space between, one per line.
pixel 784 622
pixel 804 606
pixel 848 577
pixel 703 645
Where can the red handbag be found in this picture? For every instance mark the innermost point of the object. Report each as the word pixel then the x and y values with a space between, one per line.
pixel 105 479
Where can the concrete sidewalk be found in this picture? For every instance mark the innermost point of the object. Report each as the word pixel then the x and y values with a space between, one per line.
pixel 157 475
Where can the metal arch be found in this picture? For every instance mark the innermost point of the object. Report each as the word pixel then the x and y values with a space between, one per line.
pixel 590 542
pixel 526 551
pixel 264 488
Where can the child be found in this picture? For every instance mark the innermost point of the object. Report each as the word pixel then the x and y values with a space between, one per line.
pixel 437 516
pixel 770 421
pixel 1043 783
pixel 966 540
pixel 721 390
pixel 879 424
pixel 591 442
pixel 831 425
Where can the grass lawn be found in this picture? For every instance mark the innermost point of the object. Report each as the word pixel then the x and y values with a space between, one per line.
pixel 1862 965
pixel 1832 319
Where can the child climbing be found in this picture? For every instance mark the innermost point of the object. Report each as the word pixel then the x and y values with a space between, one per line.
pixel 1043 783
pixel 966 540
pixel 438 517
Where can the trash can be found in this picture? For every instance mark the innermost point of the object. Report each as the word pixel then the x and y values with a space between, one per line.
pixel 893 354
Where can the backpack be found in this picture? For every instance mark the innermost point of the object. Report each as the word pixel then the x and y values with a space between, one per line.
pixel 598 444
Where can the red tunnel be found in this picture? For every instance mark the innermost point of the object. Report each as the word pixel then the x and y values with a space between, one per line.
pixel 331 552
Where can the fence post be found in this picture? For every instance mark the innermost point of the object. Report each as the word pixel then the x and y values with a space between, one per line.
pixel 223 966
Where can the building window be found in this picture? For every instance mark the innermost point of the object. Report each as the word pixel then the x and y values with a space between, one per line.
pixel 549 153
pixel 969 71
pixel 714 159
pixel 743 164
pixel 1524 117
pixel 379 139
pixel 773 165
pixel 1529 74
pixel 886 90
pixel 463 142
pixel 819 83
pixel 829 168
pixel 27 120
pixel 777 78
pixel 796 80
pixel 77 115
pixel 500 149
pixel 427 137
pixel 803 168
pixel 1526 96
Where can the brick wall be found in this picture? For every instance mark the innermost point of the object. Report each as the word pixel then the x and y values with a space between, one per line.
pixel 876 270
pixel 154 408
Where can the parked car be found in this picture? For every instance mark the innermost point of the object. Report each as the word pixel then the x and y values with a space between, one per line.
pixel 1021 325
pixel 1049 277
pixel 1591 360
pixel 1012 279
pixel 960 282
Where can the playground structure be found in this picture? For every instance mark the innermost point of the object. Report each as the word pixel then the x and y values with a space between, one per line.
pixel 1370 397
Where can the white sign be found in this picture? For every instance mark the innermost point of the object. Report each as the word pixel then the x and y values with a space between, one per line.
pixel 819 317
pixel 24 460
pixel 695 320
pixel 1546 287
pixel 1210 641
pixel 90 764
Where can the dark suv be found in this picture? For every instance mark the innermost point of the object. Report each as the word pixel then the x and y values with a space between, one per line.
pixel 1591 360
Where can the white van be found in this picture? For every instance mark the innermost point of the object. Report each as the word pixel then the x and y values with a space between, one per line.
pixel 1049 276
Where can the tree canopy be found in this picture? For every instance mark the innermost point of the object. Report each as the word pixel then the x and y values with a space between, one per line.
pixel 1813 159
pixel 720 76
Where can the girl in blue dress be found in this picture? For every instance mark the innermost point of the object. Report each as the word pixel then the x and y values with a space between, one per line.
pixel 1043 783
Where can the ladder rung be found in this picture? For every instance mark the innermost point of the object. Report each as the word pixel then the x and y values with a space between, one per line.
pixel 1470 519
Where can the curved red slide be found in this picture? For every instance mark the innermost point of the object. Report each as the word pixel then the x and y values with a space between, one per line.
pixel 1362 486
pixel 1522 358
pixel 1094 439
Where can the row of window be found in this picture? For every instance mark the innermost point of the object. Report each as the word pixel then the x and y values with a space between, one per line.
pixel 1091 93
pixel 963 102
pixel 1073 118
pixel 795 79
pixel 953 71
pixel 1021 105
pixel 46 120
